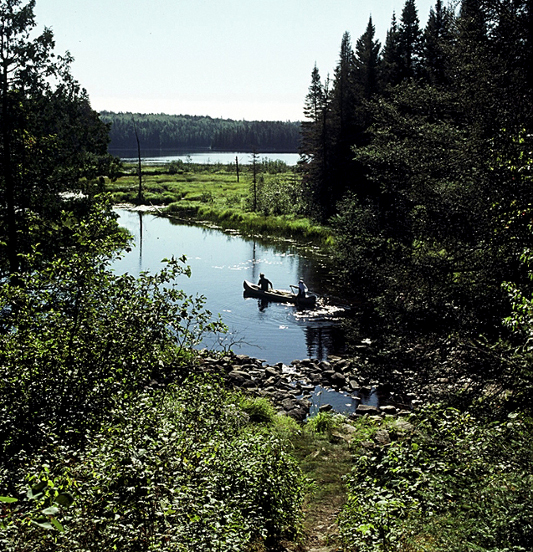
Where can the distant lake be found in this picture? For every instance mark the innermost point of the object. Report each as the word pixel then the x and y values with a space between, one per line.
pixel 206 157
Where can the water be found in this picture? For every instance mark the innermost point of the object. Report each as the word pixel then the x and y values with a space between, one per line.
pixel 340 401
pixel 207 157
pixel 220 262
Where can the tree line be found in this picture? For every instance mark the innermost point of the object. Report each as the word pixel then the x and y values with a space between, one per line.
pixel 418 153
pixel 187 132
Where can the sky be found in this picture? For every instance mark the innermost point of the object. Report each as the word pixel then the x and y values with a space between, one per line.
pixel 234 59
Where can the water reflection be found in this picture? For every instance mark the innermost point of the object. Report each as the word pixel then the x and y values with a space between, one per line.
pixel 220 262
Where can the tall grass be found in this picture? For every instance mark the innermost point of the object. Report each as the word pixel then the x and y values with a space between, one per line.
pixel 205 194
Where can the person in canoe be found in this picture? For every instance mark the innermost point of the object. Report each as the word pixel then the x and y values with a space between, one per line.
pixel 264 283
pixel 302 288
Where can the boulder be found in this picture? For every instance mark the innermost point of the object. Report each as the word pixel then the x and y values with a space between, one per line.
pixel 382 437
pixel 366 409
pixel 338 379
pixel 238 378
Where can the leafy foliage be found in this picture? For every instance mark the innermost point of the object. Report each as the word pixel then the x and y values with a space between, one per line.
pixel 173 470
pixel 51 142
pixel 455 484
pixel 77 339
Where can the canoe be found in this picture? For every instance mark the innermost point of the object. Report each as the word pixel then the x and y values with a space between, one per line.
pixel 278 295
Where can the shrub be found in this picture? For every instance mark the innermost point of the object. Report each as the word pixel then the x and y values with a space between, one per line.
pixel 323 422
pixel 171 470
pixel 456 485
pixel 259 409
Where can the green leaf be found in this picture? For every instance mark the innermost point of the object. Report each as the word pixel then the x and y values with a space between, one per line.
pixel 64 499
pixel 8 499
pixel 43 523
pixel 58 525
pixel 36 491
pixel 51 511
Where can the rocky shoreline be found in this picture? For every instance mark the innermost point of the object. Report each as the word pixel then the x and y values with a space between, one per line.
pixel 290 388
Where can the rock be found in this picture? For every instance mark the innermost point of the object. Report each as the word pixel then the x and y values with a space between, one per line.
pixel 325 408
pixel 364 409
pixel 298 413
pixel 389 409
pixel 238 377
pixel 382 437
pixel 289 403
pixel 343 366
pixel 402 425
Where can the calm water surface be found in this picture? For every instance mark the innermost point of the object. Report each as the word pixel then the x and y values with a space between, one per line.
pixel 207 157
pixel 220 262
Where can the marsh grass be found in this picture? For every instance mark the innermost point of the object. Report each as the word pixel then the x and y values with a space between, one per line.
pixel 212 193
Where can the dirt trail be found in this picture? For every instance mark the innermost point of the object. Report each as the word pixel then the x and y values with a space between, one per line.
pixel 325 464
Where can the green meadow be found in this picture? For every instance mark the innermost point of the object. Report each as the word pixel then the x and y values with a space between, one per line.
pixel 272 206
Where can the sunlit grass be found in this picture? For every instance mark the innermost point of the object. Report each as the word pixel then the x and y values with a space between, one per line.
pixel 215 196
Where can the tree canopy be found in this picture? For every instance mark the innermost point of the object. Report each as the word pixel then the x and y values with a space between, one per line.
pixel 159 132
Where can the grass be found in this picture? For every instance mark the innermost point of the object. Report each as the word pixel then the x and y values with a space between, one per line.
pixel 212 193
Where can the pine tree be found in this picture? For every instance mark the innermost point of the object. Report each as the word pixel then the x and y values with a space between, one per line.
pixel 390 60
pixel 437 41
pixel 409 37
pixel 367 61
pixel 315 148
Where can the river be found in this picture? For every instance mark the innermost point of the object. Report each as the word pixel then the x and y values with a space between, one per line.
pixel 220 262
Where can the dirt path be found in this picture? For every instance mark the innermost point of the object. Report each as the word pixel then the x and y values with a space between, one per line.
pixel 324 462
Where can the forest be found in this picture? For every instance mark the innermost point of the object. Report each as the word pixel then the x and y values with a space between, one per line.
pixel 160 132
pixel 417 157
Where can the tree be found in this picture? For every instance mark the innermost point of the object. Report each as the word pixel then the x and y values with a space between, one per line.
pixel 367 61
pixel 409 36
pixel 390 61
pixel 315 145
pixel 436 44
pixel 401 52
pixel 52 142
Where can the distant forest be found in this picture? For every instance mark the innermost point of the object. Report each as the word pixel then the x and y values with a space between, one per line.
pixel 187 132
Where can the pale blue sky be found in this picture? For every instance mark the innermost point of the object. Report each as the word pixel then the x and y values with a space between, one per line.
pixel 239 59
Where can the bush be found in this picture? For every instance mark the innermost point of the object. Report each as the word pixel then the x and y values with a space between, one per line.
pixel 172 470
pixel 456 484
pixel 323 422
pixel 77 340
pixel 259 409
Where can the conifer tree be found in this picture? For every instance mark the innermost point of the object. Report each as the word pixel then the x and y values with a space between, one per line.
pixel 409 37
pixel 437 41
pixel 314 145
pixel 367 61
pixel 390 60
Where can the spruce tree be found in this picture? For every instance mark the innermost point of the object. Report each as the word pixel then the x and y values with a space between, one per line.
pixel 436 44
pixel 390 60
pixel 367 61
pixel 409 39
pixel 314 148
